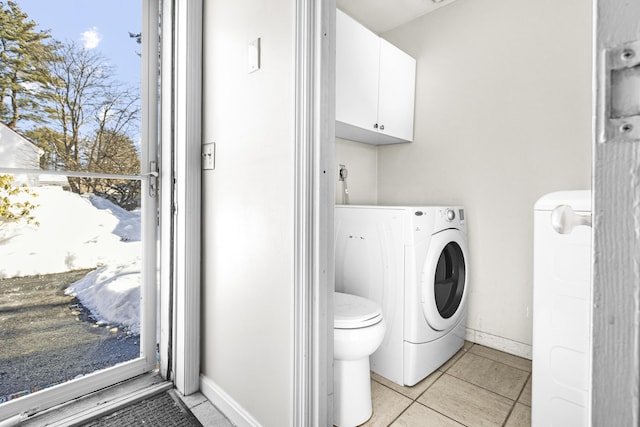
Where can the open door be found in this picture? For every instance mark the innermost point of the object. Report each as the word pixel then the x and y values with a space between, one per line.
pixel 78 235
pixel 616 276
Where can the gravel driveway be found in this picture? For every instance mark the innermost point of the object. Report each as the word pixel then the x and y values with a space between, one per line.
pixel 47 337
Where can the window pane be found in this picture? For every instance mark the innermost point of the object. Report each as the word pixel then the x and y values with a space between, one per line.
pixel 70 85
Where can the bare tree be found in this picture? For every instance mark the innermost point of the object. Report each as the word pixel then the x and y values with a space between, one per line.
pixel 80 81
pixel 91 120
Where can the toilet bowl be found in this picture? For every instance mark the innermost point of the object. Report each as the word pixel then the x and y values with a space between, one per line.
pixel 358 330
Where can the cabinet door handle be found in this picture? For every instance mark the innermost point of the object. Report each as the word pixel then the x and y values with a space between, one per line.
pixel 381 127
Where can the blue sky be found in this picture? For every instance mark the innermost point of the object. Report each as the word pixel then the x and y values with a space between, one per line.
pixel 103 25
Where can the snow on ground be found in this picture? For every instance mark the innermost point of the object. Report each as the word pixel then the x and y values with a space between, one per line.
pixel 79 232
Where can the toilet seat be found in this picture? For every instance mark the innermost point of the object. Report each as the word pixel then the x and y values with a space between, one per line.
pixel 352 312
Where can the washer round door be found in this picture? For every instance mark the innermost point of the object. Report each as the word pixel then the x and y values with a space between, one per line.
pixel 444 279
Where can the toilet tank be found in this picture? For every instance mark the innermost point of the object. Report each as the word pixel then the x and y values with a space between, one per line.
pixel 562 295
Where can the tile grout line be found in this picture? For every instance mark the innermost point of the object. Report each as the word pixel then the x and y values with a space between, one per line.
pixel 498 361
pixel 516 401
pixel 486 389
pixel 444 415
pixel 399 415
pixel 523 387
pixel 415 401
pixel 502 363
pixel 425 390
pixel 442 373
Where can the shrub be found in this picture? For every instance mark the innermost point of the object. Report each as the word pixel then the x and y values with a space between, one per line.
pixel 15 202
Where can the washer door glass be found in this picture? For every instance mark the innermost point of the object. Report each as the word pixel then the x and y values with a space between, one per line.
pixel 444 279
pixel 449 280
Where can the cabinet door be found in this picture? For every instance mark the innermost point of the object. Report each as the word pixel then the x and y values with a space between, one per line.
pixel 357 52
pixel 396 92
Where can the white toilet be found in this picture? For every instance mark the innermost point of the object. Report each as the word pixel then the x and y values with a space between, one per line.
pixel 358 330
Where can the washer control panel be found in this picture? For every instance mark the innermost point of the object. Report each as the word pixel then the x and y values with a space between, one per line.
pixel 452 215
pixel 429 218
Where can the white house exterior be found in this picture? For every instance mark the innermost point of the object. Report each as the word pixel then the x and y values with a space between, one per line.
pixel 18 152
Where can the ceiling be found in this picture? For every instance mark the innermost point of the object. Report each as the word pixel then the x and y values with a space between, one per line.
pixel 383 15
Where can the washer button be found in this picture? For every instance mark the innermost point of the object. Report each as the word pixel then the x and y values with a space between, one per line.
pixel 451 215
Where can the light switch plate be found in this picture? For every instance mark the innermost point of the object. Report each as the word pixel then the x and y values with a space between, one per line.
pixel 253 56
pixel 209 156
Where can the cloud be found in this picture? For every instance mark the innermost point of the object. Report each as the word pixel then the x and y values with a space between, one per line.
pixel 91 38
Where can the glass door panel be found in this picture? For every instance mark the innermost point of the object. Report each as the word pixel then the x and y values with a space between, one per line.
pixel 69 289
pixel 78 211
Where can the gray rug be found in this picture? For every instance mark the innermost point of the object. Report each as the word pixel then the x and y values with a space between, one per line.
pixel 164 409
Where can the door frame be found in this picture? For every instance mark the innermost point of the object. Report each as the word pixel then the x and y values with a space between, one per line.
pixel 314 197
pixel 312 294
pixel 181 229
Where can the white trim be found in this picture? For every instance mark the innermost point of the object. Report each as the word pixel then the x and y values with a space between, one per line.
pixel 312 377
pixel 499 343
pixel 187 75
pixel 226 404
pixel 96 401
pixel 166 189
pixel 68 391
pixel 111 406
pixel 149 134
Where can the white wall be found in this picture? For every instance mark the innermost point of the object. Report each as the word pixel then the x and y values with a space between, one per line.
pixel 248 207
pixel 503 116
pixel 361 161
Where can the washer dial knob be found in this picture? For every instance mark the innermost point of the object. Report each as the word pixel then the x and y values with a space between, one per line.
pixel 451 215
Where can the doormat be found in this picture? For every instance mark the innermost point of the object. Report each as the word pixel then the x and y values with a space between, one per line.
pixel 164 409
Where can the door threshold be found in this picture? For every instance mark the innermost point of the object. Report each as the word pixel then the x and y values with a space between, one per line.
pixel 99 403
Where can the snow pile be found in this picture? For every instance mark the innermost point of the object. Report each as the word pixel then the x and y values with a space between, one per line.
pixel 112 294
pixel 128 227
pixel 81 232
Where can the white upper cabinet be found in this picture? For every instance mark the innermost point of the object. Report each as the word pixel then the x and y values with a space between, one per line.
pixel 396 92
pixel 357 72
pixel 375 86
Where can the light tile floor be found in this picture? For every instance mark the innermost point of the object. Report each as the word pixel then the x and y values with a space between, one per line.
pixel 479 386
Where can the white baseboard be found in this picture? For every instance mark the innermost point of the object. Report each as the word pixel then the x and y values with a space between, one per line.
pixel 499 343
pixel 226 404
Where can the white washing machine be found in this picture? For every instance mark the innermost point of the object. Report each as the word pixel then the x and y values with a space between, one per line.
pixel 413 262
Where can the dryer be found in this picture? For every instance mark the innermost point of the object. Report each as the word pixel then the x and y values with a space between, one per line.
pixel 413 261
